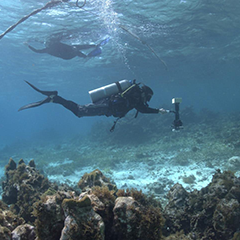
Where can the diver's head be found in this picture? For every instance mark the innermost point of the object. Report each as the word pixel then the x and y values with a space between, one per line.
pixel 147 93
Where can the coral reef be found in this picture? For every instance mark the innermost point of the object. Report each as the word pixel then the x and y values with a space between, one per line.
pixel 25 231
pixel 50 216
pixel 81 221
pixel 8 221
pixel 22 188
pixel 95 178
pixel 101 212
pixel 211 213
pixel 133 221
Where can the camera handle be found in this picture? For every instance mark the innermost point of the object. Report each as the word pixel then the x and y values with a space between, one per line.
pixel 177 123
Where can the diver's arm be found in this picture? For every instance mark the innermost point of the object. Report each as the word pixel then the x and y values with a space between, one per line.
pixel 163 111
pixel 80 54
pixel 145 109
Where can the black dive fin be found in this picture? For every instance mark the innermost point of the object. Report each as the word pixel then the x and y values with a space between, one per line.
pixel 47 93
pixel 36 104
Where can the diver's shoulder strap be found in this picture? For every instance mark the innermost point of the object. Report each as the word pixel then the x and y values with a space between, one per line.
pixel 119 87
pixel 128 89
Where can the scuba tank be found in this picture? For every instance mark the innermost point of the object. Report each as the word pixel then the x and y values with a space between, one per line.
pixel 108 90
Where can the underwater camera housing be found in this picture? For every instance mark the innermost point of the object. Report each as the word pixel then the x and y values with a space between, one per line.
pixel 177 123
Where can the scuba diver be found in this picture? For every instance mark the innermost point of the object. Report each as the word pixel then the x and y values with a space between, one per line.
pixel 115 99
pixel 61 50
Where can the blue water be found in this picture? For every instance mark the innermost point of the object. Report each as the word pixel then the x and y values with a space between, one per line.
pixel 198 40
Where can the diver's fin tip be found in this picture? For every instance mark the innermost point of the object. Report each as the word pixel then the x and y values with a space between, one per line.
pixel 46 93
pixel 35 104
pixel 20 109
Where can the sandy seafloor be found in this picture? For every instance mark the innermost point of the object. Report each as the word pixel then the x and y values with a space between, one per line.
pixel 153 160
pixel 157 175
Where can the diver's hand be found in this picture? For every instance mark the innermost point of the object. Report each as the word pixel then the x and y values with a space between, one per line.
pixel 163 111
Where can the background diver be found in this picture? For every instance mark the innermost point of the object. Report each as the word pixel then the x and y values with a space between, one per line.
pixel 117 105
pixel 58 49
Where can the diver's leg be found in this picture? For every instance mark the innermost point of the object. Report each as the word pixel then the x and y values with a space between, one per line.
pixel 78 110
pixel 44 50
pixel 80 54
pixel 83 110
pixel 85 46
pixel 82 47
pixel 98 109
pixel 70 105
pixel 93 110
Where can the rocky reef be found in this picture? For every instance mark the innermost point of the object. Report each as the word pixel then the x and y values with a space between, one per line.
pixel 23 187
pixel 211 213
pixel 33 208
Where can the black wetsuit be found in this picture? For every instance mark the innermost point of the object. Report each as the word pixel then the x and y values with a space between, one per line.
pixel 115 105
pixel 63 50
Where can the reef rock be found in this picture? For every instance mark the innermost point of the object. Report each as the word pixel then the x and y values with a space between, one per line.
pixel 134 221
pixel 101 213
pixel 174 212
pixel 23 187
pixel 5 233
pixel 7 218
pixel 226 217
pixel 211 213
pixel 8 221
pixel 95 178
pixel 81 221
pixel 103 201
pixel 25 231
pixel 233 163
pixel 50 215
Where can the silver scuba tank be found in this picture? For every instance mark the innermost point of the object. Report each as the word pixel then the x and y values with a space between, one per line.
pixel 108 90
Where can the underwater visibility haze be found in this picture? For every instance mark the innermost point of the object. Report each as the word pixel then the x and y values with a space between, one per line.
pixel 198 41
pixel 179 48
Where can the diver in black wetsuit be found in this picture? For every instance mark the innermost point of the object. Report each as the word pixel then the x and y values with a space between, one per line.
pixel 117 105
pixel 58 49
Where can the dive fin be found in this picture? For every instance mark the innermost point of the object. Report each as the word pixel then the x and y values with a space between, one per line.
pixel 97 51
pixel 47 93
pixel 36 104
pixel 103 42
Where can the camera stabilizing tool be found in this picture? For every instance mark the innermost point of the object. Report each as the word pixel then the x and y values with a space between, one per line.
pixel 177 123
